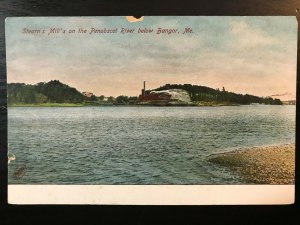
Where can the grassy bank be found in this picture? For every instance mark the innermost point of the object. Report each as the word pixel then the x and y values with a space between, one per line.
pixel 46 105
pixel 215 103
pixel 190 104
pixel 261 165
pixel 115 104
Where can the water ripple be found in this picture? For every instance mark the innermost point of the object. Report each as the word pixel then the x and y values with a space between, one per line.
pixel 138 145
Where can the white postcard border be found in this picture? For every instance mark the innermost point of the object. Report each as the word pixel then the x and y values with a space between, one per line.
pixel 152 194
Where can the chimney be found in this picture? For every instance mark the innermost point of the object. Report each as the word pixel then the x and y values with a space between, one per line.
pixel 144 89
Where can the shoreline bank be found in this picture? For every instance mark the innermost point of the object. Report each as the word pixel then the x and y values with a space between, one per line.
pixel 261 165
pixel 119 105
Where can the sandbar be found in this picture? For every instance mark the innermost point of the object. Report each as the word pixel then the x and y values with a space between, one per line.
pixel 261 165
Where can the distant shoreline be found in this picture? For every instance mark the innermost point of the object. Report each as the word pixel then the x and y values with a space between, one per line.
pixel 261 165
pixel 120 105
pixel 47 105
pixel 55 93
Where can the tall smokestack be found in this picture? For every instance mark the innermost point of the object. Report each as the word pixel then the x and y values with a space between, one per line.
pixel 144 89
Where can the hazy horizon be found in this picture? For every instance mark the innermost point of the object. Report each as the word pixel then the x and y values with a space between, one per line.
pixel 253 55
pixel 139 91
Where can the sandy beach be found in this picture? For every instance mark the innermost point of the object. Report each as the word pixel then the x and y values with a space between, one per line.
pixel 261 165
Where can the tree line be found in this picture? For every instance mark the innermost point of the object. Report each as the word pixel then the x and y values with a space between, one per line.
pixel 51 92
pixel 207 94
pixel 56 92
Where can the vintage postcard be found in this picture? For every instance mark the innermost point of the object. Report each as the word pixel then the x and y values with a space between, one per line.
pixel 154 110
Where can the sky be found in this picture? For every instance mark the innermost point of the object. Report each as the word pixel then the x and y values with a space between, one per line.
pixel 254 55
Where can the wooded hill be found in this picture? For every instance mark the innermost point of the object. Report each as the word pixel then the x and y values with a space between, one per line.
pixel 51 92
pixel 57 92
pixel 206 94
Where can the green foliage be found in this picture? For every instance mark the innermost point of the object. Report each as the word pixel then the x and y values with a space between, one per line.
pixel 110 99
pixel 122 99
pixel 55 92
pixel 125 100
pixel 58 92
pixel 47 104
pixel 206 94
pixel 51 92
pixel 22 93
pixel 93 98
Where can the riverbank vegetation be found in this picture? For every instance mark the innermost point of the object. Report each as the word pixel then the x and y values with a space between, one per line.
pixel 210 96
pixel 55 93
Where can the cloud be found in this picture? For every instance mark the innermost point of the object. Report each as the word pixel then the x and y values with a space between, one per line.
pixel 245 54
pixel 246 37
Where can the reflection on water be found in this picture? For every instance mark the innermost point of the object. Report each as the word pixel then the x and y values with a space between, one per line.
pixel 138 145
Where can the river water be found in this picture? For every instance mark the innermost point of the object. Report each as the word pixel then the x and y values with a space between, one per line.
pixel 138 145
